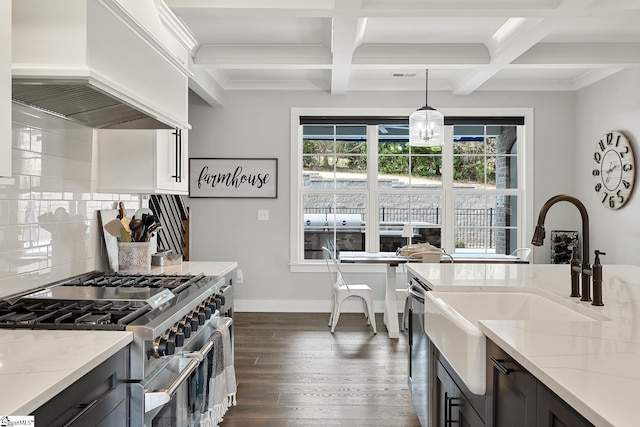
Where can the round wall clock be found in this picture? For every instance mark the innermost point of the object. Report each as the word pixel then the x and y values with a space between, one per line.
pixel 614 169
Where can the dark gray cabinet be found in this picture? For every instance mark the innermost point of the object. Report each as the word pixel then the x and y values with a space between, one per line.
pixel 516 398
pixel 451 401
pixel 451 407
pixel 99 399
pixel 511 390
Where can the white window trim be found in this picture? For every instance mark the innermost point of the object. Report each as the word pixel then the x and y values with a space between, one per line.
pixel 525 165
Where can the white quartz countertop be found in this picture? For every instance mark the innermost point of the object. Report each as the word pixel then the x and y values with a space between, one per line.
pixel 209 268
pixel 593 365
pixel 37 365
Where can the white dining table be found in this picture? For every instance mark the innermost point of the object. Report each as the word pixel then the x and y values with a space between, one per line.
pixel 392 261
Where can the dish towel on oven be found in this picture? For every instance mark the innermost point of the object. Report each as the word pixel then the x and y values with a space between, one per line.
pixel 222 381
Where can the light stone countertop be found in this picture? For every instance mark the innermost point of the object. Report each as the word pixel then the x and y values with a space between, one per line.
pixel 35 366
pixel 593 365
pixel 209 268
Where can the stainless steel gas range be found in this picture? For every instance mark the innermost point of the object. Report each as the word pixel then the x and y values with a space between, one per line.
pixel 172 318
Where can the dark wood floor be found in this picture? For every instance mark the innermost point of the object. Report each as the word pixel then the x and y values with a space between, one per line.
pixel 292 371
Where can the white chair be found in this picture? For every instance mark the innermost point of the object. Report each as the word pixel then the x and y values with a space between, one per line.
pixel 522 253
pixel 342 291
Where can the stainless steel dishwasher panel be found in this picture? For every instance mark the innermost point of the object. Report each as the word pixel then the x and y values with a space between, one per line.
pixel 419 357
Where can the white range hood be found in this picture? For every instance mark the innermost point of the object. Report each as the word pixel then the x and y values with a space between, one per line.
pixel 92 62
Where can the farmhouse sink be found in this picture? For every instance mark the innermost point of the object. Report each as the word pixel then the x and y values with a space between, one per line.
pixel 451 322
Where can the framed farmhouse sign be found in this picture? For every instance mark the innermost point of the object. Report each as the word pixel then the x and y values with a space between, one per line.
pixel 233 178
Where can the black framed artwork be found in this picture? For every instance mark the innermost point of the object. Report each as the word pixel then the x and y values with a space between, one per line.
pixel 233 177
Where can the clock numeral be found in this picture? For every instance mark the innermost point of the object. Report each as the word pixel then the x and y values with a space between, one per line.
pixel 597 157
pixel 620 198
pixel 596 172
pixel 610 139
pixel 601 144
pixel 626 184
pixel 627 167
pixel 604 199
pixel 622 153
pixel 612 203
pixel 598 187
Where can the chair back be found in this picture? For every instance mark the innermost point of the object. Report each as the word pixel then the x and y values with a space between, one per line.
pixel 523 253
pixel 334 268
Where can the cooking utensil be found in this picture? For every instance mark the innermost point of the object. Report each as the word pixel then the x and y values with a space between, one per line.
pixel 149 221
pixel 122 214
pixel 113 227
pixel 136 226
pixel 141 211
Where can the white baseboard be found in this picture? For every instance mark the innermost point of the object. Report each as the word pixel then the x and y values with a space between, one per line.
pixel 306 306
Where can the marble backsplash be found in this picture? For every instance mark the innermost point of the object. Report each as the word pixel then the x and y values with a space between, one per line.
pixel 49 225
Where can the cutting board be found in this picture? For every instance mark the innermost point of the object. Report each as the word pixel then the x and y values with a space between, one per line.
pixel 110 242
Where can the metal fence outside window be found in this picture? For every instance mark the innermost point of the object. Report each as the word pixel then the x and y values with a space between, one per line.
pixel 474 227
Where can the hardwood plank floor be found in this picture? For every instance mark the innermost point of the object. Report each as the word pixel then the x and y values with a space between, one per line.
pixel 293 372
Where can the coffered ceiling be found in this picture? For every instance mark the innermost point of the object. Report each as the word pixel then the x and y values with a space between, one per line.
pixel 339 46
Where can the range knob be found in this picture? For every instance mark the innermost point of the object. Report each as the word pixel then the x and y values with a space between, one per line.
pixel 218 301
pixel 163 347
pixel 192 319
pixel 205 308
pixel 185 327
pixel 199 315
pixel 177 337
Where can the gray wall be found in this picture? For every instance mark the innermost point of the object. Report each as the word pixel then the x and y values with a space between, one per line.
pixel 612 104
pixel 257 124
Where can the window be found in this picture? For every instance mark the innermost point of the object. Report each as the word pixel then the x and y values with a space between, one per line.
pixel 357 184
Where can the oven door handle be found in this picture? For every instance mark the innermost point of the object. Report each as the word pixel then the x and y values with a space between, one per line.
pixel 157 398
pixel 208 345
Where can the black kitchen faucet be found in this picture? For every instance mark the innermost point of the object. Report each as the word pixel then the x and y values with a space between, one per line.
pixel 578 267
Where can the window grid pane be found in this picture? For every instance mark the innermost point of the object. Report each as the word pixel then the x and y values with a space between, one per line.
pixel 336 192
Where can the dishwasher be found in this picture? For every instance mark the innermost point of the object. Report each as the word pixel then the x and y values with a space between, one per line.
pixel 419 357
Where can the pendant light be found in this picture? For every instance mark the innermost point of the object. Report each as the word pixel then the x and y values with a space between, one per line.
pixel 426 125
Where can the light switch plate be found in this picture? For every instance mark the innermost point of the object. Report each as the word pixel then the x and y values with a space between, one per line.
pixel 263 215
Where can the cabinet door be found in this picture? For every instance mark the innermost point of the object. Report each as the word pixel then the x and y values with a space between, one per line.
pixel 555 412
pixel 172 161
pixel 452 408
pixel 512 391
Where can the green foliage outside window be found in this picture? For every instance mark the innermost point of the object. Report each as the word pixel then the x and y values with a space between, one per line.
pixel 470 165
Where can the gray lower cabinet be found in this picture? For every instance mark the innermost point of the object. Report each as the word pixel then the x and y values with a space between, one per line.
pixel 452 403
pixel 97 399
pixel 452 408
pixel 516 398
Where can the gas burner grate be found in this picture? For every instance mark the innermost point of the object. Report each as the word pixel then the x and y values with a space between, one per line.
pixel 34 314
pixel 174 283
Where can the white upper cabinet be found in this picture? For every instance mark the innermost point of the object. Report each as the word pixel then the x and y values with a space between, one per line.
pixel 143 161
pixel 5 90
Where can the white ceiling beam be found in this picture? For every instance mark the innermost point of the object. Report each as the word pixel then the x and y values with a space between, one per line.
pixel 593 76
pixel 347 31
pixel 512 40
pixel 419 56
pixel 264 56
pixel 550 55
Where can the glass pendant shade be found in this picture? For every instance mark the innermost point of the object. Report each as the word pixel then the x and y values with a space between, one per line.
pixel 426 127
